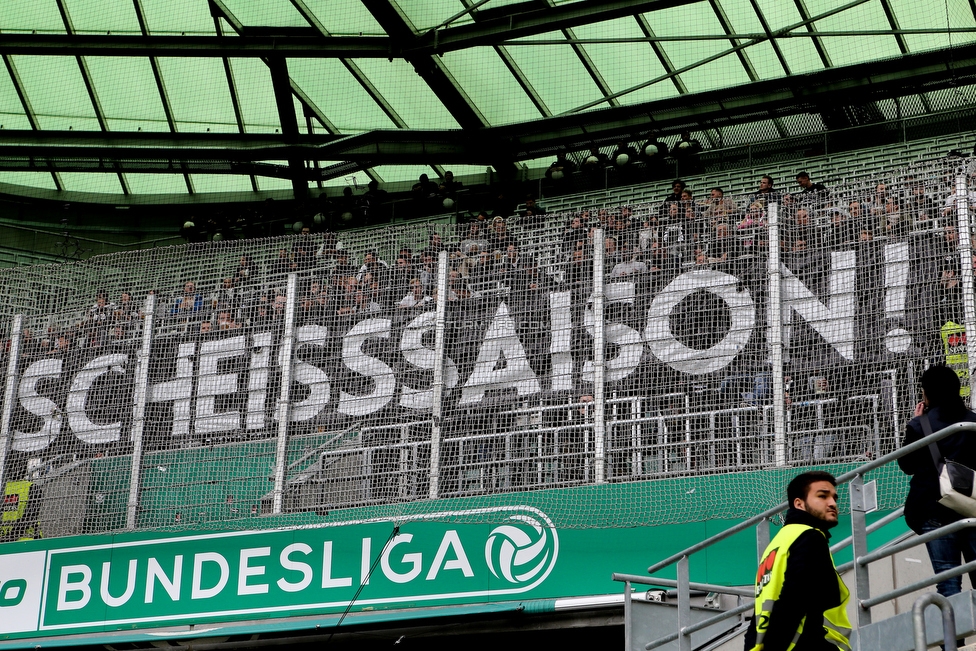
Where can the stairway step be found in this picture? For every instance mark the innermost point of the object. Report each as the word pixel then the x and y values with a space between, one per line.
pixel 897 633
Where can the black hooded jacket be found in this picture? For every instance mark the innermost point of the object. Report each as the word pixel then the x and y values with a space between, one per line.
pixel 922 503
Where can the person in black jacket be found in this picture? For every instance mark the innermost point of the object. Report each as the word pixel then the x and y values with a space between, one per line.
pixel 811 593
pixel 942 406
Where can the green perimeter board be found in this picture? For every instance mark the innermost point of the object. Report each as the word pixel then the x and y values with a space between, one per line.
pixel 510 551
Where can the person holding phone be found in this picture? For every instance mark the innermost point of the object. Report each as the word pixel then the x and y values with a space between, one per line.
pixel 942 406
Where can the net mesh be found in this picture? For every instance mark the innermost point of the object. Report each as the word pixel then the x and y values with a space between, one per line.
pixel 311 376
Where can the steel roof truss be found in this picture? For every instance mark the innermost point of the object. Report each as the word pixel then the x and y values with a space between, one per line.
pixel 29 112
pixel 743 55
pixel 235 100
pixel 160 85
pixel 69 29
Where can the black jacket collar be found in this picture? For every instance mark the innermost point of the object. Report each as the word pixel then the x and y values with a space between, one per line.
pixel 796 516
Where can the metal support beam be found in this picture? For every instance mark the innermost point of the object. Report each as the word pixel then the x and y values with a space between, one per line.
pixel 140 397
pixel 235 99
pixel 429 67
pixel 859 541
pixel 747 103
pixel 521 23
pixel 344 47
pixel 9 393
pixel 160 85
pixel 124 45
pixel 661 54
pixel 801 6
pixel 289 121
pixel 86 79
pixel 743 55
pixel 29 113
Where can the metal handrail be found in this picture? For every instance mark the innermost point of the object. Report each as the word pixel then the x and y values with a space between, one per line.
pixel 948 621
pixel 874 526
pixel 692 585
pixel 912 587
pixel 859 562
pixel 705 623
pixel 923 538
pixel 843 479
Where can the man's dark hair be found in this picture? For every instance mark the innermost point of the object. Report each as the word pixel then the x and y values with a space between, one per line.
pixel 768 178
pixel 941 386
pixel 800 486
pixel 679 182
pixel 719 190
pixel 802 175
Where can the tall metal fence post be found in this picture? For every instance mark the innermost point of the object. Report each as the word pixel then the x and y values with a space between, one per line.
pixel 628 615
pixel 437 407
pixel 284 397
pixel 762 538
pixel 684 603
pixel 140 393
pixel 10 389
pixel 599 364
pixel 966 269
pixel 859 545
pixel 774 338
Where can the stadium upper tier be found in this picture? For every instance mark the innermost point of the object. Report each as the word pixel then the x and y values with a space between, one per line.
pixel 693 336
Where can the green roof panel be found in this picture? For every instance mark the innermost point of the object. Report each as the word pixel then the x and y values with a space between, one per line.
pixel 628 64
pixel 128 94
pixel 344 17
pixel 430 13
pixel 41 180
pixel 203 183
pixel 409 95
pixel 27 16
pixel 334 90
pixel 557 74
pixel 198 93
pixel 156 183
pixel 101 16
pixel 171 17
pixel 265 13
pixel 845 50
pixel 57 93
pixel 256 95
pixel 12 114
pixel 490 85
pixel 97 183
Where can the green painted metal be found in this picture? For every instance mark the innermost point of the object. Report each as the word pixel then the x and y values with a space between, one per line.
pixel 520 548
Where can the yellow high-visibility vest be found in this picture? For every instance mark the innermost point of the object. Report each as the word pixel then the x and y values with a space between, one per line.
pixel 769 585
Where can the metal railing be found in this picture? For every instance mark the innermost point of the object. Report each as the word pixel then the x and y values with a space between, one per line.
pixel 858 539
pixel 536 446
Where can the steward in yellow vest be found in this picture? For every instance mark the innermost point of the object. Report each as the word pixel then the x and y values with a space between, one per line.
pixel 801 601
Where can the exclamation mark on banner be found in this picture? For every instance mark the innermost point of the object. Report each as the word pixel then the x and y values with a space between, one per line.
pixel 897 340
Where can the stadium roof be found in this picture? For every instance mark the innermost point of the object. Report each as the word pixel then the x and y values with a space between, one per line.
pixel 133 97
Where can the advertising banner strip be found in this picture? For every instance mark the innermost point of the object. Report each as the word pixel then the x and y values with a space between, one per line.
pixel 419 560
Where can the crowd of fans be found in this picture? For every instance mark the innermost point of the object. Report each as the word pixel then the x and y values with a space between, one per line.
pixel 523 252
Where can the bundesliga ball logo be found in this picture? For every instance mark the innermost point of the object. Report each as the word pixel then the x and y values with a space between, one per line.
pixel 522 552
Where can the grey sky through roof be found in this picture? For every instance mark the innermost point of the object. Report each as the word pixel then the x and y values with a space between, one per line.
pixel 379 67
